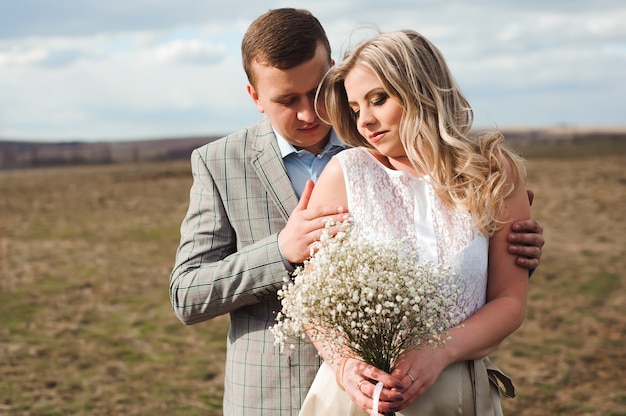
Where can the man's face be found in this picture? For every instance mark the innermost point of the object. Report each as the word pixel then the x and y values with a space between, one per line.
pixel 287 97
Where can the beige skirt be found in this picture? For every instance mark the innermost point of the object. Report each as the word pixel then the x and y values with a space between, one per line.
pixel 468 388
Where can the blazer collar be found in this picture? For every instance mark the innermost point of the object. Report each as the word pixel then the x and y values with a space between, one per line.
pixel 268 163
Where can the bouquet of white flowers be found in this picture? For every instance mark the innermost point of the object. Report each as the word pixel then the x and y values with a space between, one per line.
pixel 373 299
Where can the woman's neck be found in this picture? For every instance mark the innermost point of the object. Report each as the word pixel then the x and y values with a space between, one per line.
pixel 403 164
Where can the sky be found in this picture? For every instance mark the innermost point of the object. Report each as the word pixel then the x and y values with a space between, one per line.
pixel 112 70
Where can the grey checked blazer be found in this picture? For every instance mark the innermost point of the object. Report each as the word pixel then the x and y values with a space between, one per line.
pixel 228 261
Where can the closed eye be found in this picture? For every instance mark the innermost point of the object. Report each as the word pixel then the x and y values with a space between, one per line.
pixel 288 102
pixel 379 100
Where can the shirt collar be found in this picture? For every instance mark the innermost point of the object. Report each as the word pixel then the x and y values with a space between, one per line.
pixel 287 148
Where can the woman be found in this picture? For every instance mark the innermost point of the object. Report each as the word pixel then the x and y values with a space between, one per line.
pixel 414 170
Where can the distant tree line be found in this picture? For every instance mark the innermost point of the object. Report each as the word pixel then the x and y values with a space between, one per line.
pixel 20 155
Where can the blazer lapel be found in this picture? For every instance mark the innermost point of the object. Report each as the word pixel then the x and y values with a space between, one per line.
pixel 268 164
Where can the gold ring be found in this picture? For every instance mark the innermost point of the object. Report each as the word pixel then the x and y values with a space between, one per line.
pixel 411 377
pixel 359 384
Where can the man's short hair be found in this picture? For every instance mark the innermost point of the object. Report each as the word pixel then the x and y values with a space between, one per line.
pixel 283 38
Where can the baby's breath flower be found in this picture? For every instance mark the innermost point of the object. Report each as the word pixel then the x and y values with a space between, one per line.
pixel 375 298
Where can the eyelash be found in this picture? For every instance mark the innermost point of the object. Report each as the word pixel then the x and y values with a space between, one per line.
pixel 289 102
pixel 377 101
pixel 293 100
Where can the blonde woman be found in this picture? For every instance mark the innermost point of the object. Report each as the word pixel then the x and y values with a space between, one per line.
pixel 415 170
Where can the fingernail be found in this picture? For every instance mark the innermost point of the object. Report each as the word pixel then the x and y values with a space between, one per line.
pixel 400 386
pixel 393 408
pixel 399 398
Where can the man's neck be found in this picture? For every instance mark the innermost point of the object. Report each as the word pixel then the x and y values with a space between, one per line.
pixel 317 148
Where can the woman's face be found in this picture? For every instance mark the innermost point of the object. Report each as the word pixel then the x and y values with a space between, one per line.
pixel 377 114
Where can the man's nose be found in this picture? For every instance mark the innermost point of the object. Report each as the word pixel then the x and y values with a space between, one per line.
pixel 306 112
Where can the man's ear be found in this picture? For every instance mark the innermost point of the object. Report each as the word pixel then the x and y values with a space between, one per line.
pixel 255 97
pixel 531 196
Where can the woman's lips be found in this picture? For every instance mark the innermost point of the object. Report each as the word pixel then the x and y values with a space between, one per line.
pixel 377 136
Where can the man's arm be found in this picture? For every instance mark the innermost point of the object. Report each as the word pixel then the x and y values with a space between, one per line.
pixel 211 277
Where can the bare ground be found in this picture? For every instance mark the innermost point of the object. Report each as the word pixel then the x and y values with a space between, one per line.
pixel 87 329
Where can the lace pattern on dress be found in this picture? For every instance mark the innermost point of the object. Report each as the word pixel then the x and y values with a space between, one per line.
pixel 391 204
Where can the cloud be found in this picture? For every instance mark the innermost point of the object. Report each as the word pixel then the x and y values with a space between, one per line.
pixel 66 51
pixel 186 51
pixel 83 18
pixel 97 68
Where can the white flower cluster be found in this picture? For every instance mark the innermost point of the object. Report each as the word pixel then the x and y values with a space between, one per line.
pixel 375 300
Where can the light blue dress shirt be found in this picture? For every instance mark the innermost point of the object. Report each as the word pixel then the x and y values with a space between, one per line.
pixel 302 165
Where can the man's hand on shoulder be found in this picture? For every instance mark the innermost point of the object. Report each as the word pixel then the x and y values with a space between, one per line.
pixel 526 241
pixel 305 226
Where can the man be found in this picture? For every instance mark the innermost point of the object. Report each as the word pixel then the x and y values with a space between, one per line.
pixel 245 228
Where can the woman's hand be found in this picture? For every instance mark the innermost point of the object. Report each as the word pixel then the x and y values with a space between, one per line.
pixel 418 370
pixel 359 380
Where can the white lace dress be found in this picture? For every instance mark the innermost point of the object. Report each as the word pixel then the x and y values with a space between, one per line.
pixel 390 204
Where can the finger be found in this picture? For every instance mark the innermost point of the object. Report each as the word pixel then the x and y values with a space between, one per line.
pixel 530 240
pixel 320 227
pixel 527 251
pixel 303 203
pixel 528 226
pixel 389 396
pixel 326 213
pixel 335 223
pixel 530 264
pixel 388 400
pixel 408 380
pixel 376 375
pixel 401 368
pixel 373 375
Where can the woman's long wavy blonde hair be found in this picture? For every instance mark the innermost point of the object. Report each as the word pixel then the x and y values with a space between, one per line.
pixel 467 171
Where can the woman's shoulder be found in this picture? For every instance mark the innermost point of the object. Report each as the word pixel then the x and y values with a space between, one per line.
pixel 361 154
pixel 513 167
pixel 353 152
pixel 492 146
pixel 330 187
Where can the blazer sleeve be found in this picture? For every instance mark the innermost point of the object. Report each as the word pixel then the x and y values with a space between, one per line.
pixel 212 275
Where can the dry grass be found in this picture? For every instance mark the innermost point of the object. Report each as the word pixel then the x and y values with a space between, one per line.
pixel 87 329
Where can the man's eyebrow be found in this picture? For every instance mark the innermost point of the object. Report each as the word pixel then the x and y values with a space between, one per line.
pixel 292 95
pixel 283 97
pixel 288 96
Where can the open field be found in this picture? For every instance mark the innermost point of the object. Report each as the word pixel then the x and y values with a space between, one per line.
pixel 33 154
pixel 86 326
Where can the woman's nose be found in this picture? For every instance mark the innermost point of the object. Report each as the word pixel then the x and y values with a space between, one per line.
pixel 366 118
